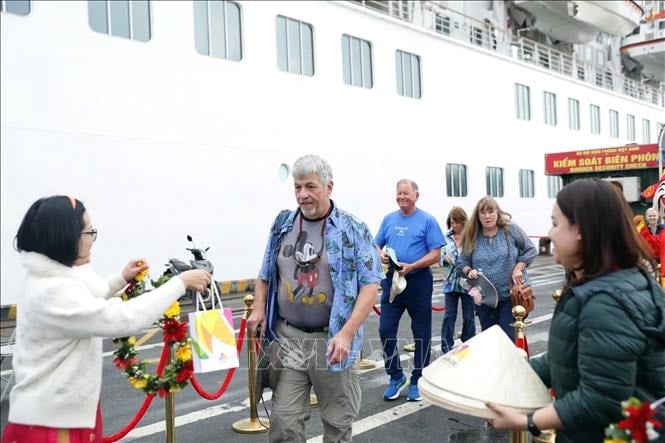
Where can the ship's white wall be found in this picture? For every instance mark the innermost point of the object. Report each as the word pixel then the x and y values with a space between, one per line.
pixel 160 141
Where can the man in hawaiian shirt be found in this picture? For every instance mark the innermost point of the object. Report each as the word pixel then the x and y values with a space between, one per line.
pixel 318 282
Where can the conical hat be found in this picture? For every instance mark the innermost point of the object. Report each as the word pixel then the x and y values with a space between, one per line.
pixel 489 367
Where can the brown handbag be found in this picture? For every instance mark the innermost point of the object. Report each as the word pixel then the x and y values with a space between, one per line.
pixel 523 295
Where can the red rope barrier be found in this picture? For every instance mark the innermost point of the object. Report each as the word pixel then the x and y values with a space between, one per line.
pixel 438 308
pixel 377 310
pixel 229 375
pixel 144 406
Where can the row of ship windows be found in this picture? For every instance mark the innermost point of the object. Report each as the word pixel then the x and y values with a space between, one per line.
pixel 523 112
pixel 456 182
pixel 218 33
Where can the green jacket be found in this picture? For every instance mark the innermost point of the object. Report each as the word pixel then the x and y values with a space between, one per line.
pixel 606 343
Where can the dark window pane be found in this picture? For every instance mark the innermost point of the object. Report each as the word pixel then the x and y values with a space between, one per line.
pixel 97 16
pixel 19 7
pixel 293 35
pixel 234 31
pixel 415 66
pixel 346 60
pixel 449 191
pixel 356 62
pixel 201 27
pixel 120 18
pixel 280 26
pixel 307 49
pixel 398 73
pixel 141 20
pixel 217 25
pixel 408 79
pixel 367 64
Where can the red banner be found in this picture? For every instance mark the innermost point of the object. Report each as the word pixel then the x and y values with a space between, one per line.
pixel 620 158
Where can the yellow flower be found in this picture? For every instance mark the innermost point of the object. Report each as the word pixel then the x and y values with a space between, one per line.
pixel 173 310
pixel 614 440
pixel 184 352
pixel 142 275
pixel 131 341
pixel 174 388
pixel 138 383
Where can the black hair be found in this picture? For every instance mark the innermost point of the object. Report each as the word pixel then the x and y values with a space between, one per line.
pixel 52 227
pixel 605 222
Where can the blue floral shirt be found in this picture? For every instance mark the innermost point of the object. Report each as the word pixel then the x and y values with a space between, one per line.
pixel 353 263
pixel 450 272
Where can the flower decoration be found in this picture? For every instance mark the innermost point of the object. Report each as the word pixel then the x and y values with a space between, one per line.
pixel 178 372
pixel 638 426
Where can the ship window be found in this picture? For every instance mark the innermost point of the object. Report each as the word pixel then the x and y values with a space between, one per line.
pixel 442 24
pixel 18 7
pixel 122 18
pixel 356 61
pixel 646 131
pixel 456 180
pixel 522 102
pixel 526 183
pixel 630 127
pixel 554 184
pixel 494 180
pixel 573 114
pixel 550 108
pixel 595 119
pixel 295 46
pixel 407 67
pixel 614 123
pixel 218 29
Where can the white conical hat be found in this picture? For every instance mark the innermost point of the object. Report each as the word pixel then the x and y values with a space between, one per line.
pixel 489 367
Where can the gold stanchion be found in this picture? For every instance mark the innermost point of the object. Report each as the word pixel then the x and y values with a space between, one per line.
pixel 251 425
pixel 169 404
pixel 556 295
pixel 519 313
pixel 313 400
pixel 364 363
pixel 411 347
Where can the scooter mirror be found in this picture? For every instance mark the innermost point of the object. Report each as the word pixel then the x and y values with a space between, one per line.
pixel 189 237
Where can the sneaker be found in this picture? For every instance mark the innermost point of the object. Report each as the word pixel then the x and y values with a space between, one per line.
pixel 414 394
pixel 394 388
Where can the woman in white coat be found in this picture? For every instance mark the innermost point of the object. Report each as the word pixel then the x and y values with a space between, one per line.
pixel 63 310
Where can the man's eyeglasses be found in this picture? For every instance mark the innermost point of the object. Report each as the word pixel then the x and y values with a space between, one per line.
pixel 92 232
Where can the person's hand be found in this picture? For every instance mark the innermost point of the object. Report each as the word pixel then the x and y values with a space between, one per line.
pixel 477 297
pixel 507 418
pixel 133 268
pixel 448 259
pixel 518 276
pixel 473 274
pixel 406 268
pixel 256 319
pixel 338 348
pixel 384 257
pixel 196 279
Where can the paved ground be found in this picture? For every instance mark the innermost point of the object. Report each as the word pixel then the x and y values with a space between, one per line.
pixel 199 420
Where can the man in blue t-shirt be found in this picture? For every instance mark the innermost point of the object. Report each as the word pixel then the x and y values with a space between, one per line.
pixel 416 238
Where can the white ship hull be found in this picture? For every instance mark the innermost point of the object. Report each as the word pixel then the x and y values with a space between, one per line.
pixel 159 141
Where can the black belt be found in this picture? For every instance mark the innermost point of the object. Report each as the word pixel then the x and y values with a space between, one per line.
pixel 307 328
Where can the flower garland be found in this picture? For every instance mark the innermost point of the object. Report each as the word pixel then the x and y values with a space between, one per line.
pixel 638 426
pixel 178 372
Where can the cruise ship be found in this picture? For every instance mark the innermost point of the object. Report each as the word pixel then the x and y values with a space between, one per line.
pixel 169 118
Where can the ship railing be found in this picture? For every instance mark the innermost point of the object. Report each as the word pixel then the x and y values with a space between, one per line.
pixel 437 17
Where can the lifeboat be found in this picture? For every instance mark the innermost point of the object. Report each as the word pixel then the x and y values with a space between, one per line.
pixel 579 22
pixel 646 45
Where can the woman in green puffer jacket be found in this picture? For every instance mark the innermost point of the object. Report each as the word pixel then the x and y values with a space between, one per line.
pixel 607 337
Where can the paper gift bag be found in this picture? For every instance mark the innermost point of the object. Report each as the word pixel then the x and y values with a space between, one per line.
pixel 212 336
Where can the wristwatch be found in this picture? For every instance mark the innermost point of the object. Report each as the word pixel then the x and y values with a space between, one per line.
pixel 531 426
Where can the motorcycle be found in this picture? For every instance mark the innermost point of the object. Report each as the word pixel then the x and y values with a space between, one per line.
pixel 176 266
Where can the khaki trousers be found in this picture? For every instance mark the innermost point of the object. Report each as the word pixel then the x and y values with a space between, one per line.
pixel 301 365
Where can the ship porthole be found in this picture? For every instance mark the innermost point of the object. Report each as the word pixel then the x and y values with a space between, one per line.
pixel 283 172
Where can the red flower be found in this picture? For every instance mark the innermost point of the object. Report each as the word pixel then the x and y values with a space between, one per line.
pixel 174 331
pixel 636 422
pixel 162 392
pixel 185 372
pixel 121 364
